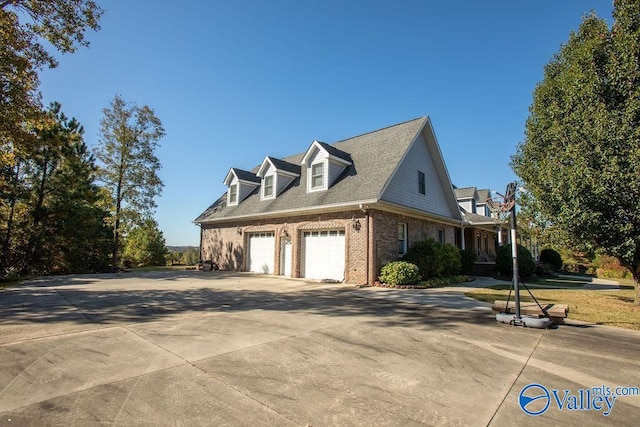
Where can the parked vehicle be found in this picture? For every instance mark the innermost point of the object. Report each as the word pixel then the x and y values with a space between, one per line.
pixel 207 265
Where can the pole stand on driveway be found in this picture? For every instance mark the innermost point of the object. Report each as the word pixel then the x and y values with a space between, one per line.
pixel 509 204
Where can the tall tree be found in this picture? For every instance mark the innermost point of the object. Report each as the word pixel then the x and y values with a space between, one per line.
pixel 128 140
pixel 581 154
pixel 24 27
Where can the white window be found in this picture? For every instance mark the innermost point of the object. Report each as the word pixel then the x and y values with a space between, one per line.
pixel 317 176
pixel 441 235
pixel 233 194
pixel 267 187
pixel 402 239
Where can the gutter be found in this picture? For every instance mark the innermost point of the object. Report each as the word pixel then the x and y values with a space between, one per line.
pixel 337 207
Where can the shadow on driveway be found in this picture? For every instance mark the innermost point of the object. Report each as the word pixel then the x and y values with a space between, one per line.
pixel 80 299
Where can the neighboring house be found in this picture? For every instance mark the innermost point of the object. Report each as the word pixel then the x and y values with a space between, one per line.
pixel 336 212
pixel 483 230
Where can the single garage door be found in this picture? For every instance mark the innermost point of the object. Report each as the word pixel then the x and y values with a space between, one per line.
pixel 261 252
pixel 323 254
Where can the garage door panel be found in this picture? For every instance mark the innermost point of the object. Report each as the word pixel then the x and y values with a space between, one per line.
pixel 261 252
pixel 324 254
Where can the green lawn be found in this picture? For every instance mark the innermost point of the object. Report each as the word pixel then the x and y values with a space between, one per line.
pixel 613 308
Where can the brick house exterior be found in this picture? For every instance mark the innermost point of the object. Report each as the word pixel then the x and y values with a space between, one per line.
pixel 369 196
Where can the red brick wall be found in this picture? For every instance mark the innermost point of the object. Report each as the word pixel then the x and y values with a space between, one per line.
pixel 386 235
pixel 226 244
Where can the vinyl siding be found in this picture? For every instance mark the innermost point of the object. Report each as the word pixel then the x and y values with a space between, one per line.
pixel 335 169
pixel 403 188
pixel 467 205
pixel 243 189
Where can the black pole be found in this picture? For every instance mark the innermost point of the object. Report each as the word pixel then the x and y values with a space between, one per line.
pixel 514 257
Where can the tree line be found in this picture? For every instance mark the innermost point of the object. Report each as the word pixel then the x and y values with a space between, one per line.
pixel 65 208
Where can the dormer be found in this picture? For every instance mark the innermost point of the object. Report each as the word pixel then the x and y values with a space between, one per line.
pixel 276 175
pixel 240 183
pixel 324 164
pixel 467 198
pixel 483 202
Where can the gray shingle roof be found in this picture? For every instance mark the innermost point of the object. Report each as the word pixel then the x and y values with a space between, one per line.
pixel 483 195
pixel 285 166
pixel 374 157
pixel 335 152
pixel 475 219
pixel 246 175
pixel 465 193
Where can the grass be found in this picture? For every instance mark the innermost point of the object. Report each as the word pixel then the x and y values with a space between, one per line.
pixel 612 308
pixel 11 282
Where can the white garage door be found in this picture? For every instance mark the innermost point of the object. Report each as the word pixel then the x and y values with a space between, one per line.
pixel 323 254
pixel 261 252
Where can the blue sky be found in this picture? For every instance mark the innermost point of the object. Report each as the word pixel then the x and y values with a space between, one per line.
pixel 235 81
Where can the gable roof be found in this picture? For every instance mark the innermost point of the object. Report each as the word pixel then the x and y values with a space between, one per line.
pixel 465 193
pixel 279 165
pixel 333 152
pixel 242 175
pixel 374 158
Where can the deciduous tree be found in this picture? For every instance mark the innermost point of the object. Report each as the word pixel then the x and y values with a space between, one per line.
pixel 145 245
pixel 128 140
pixel 581 154
pixel 26 28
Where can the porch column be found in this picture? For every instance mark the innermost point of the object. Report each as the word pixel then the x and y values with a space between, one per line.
pixel 462 238
pixel 500 243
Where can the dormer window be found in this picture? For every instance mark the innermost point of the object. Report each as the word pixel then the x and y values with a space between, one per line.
pixel 317 176
pixel 233 194
pixel 276 175
pixel 267 187
pixel 324 165
pixel 241 184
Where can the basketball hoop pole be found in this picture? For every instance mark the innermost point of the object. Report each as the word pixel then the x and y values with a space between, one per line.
pixel 514 257
pixel 517 319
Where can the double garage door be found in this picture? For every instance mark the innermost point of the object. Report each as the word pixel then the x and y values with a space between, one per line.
pixel 322 254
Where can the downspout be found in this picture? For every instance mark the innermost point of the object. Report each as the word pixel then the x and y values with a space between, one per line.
pixel 367 242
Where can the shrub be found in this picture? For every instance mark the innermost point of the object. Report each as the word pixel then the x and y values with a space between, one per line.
pixel 400 273
pixel 551 257
pixel 468 258
pixel 608 267
pixel 434 259
pixel 504 265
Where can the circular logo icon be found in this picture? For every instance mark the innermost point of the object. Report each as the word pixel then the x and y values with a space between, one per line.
pixel 534 399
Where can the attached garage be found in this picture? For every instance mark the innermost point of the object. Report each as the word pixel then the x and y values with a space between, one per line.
pixel 262 252
pixel 323 254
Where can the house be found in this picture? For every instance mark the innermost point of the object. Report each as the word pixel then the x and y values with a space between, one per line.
pixel 336 211
pixel 483 231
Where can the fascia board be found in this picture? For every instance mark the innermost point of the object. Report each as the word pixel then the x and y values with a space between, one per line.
pixel 262 170
pixel 315 145
pixel 441 168
pixel 404 210
pixel 229 178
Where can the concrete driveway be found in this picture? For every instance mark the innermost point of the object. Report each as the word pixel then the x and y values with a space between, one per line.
pixel 199 348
